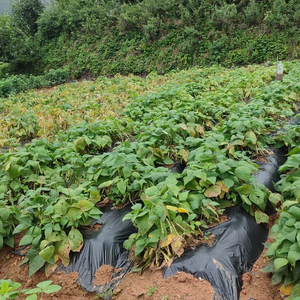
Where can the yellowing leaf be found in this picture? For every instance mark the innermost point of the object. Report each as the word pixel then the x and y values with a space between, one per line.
pixel 172 208
pixel 200 129
pixel 177 245
pixel 7 167
pixel 222 185
pixel 183 210
pixel 183 126
pixel 184 154
pixel 286 290
pixel 251 136
pixel 168 240
pixel 213 191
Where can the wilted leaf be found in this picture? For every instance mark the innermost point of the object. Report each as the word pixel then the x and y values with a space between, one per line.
pixel 276 198
pixel 177 245
pixel 168 240
pixel 76 240
pixel 213 191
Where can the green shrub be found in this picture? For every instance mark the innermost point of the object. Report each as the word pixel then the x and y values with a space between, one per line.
pixel 20 83
pixel 4 69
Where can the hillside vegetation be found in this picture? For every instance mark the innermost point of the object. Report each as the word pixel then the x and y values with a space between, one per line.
pixel 92 37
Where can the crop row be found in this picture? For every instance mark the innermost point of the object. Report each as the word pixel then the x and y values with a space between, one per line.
pixel 214 121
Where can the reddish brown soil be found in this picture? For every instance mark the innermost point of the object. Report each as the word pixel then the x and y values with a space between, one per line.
pixel 103 275
pixel 151 285
pixel 10 269
pixel 257 285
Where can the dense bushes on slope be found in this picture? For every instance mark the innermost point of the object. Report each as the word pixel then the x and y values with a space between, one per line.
pixel 110 36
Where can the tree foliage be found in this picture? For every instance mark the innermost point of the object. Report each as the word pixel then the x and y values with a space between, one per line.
pixel 26 13
pixel 118 36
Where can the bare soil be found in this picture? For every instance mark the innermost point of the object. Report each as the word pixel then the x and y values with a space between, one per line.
pixel 103 275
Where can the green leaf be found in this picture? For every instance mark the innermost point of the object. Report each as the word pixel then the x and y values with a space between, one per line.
pixel 277 278
pixel 298 239
pixel 26 240
pixel 246 200
pixel 168 161
pixel 80 144
pixel 212 179
pixel 269 268
pixel 243 173
pixel 261 217
pixel 139 246
pixel 251 137
pixel 121 185
pixel 294 211
pixel 14 171
pixel 174 189
pixel 106 184
pixel 47 253
pixel 33 291
pixel 228 182
pixel 200 174
pixel 296 292
pixel 127 170
pixel 76 240
pixel 95 197
pixel 288 203
pixel 100 141
pixel 52 289
pixel 183 196
pixel 35 264
pixel 44 284
pixel 83 205
pixel 142 151
pixel 152 191
pixel 61 207
pixel 144 224
pixel 9 242
pixel 245 189
pixel 4 213
pixel 32 297
pixel 296 150
pixel 293 256
pixel 223 167
pixel 279 263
